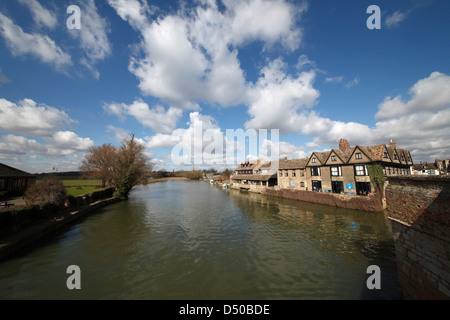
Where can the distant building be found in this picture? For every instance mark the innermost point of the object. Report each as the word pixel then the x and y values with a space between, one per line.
pixel 13 181
pixel 428 169
pixel 443 165
pixel 254 175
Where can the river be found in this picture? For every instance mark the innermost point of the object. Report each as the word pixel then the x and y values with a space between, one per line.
pixel 192 240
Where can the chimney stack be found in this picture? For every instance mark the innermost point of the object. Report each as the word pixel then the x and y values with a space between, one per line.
pixel 344 145
pixel 393 144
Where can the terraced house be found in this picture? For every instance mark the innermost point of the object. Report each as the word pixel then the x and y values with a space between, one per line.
pixel 343 170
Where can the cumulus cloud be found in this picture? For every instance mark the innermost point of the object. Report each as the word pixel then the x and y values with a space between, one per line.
pixel 30 118
pixel 33 128
pixel 428 94
pixel 192 55
pixel 61 143
pixel 39 46
pixel 157 118
pixel 41 15
pixel 277 99
pixel 420 124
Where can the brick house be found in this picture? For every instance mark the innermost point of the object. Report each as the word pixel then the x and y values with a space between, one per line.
pixel 292 174
pixel 343 170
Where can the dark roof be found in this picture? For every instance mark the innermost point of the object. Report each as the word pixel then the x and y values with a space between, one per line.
pixel 7 171
pixel 247 166
pixel 425 166
pixel 254 177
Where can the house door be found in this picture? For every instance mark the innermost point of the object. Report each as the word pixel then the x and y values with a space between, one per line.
pixel 337 186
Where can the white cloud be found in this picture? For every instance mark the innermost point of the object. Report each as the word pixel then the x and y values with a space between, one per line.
pixel 12 144
pixel 30 118
pixel 92 36
pixel 393 20
pixel 352 83
pixel 192 55
pixel 277 99
pixel 62 143
pixel 41 16
pixel 157 118
pixel 39 46
pixel 421 124
pixel 334 79
pixel 428 94
pixel 70 141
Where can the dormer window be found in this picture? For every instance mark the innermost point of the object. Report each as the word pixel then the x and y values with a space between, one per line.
pixel 314 160
pixel 333 158
pixel 385 155
pixel 358 155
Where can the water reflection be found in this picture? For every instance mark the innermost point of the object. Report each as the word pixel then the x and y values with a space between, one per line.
pixel 192 240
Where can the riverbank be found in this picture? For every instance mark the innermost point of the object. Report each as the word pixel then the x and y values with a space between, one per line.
pixel 372 203
pixel 13 243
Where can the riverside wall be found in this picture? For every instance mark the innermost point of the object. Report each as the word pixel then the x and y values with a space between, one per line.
pixel 373 203
pixel 31 235
pixel 419 210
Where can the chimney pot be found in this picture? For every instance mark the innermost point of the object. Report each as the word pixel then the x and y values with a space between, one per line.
pixel 344 145
pixel 393 144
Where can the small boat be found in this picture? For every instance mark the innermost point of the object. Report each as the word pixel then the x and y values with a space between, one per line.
pixel 211 181
pixel 224 186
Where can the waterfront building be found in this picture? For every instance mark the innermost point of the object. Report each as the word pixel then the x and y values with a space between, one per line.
pixel 427 169
pixel 14 182
pixel 343 170
pixel 292 174
pixel 254 175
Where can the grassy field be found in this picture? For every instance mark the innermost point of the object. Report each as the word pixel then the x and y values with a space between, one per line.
pixel 76 186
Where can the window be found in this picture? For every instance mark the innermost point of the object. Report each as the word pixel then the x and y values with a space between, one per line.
pixel 286 174
pixel 315 171
pixel 302 184
pixel 293 173
pixel 302 173
pixel 358 155
pixel 360 171
pixel 314 160
pixel 281 174
pixel 336 171
pixel 333 158
pixel 385 155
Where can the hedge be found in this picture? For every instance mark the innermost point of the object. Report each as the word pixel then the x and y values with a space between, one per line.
pixel 13 218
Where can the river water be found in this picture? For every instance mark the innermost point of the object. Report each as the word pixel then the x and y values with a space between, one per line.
pixel 192 240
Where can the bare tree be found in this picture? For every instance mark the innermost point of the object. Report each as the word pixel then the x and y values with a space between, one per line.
pixel 123 168
pixel 99 163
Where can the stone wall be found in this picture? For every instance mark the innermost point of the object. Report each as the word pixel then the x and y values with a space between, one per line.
pixel 419 209
pixel 371 203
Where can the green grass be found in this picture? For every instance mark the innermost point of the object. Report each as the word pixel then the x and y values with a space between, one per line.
pixel 78 191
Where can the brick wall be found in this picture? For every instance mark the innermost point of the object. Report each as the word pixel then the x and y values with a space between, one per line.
pixel 372 203
pixel 419 209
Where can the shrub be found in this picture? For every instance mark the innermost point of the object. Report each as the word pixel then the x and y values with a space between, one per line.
pixel 50 189
pixel 101 194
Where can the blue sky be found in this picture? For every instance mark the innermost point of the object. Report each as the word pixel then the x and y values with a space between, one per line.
pixel 311 69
